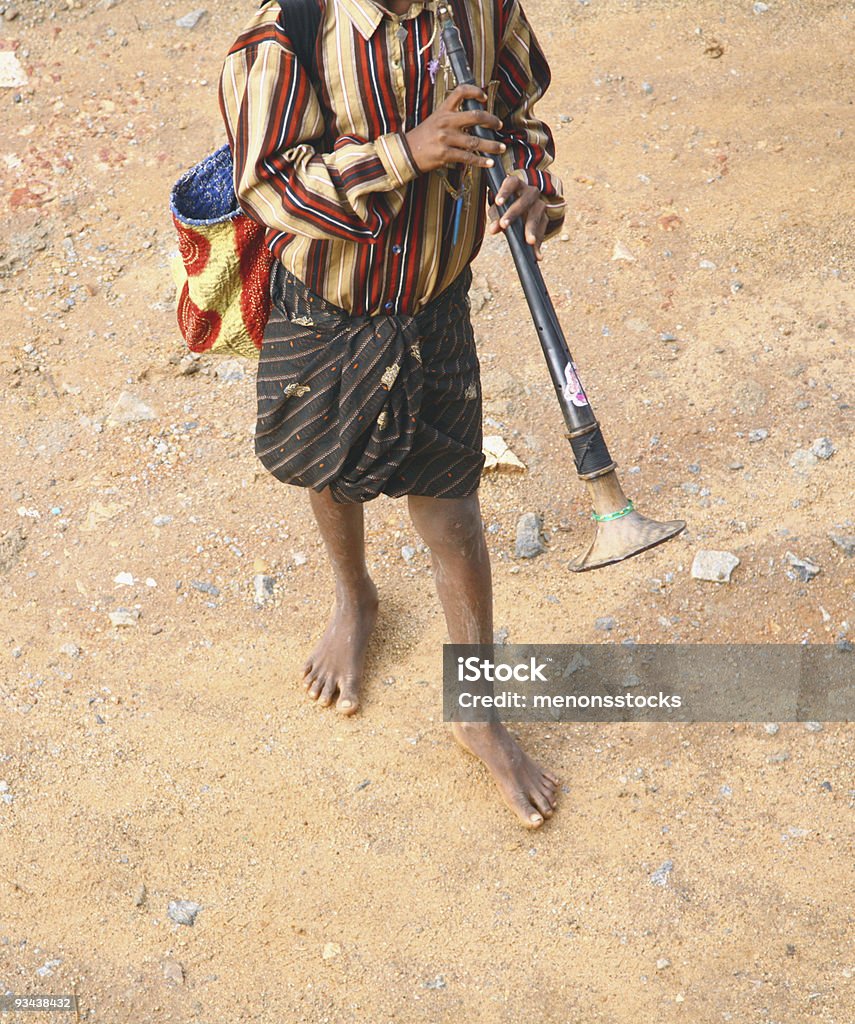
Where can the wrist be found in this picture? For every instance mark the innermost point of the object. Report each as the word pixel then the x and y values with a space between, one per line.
pixel 396 155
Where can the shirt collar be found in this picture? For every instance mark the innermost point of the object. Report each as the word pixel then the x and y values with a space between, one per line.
pixel 364 14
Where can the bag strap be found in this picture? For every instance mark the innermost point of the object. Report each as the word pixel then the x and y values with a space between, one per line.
pixel 302 21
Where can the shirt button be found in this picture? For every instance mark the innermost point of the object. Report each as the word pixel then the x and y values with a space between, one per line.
pixel 396 249
pixel 389 305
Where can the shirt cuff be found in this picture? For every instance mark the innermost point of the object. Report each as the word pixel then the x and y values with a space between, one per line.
pixel 555 210
pixel 394 153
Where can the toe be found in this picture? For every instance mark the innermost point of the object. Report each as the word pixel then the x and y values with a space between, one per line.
pixel 328 692
pixel 548 790
pixel 316 686
pixel 348 700
pixel 542 802
pixel 525 810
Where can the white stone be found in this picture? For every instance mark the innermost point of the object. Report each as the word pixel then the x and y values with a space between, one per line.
pixel 714 566
pixel 129 409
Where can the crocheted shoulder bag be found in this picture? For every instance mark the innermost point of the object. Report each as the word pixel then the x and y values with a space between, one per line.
pixel 222 268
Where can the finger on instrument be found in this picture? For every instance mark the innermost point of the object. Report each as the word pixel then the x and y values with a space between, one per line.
pixel 467 156
pixel 463 140
pixel 462 92
pixel 470 118
pixel 518 208
pixel 509 187
pixel 535 222
pixel 535 229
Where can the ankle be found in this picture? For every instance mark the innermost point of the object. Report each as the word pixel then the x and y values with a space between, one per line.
pixel 356 591
pixel 477 728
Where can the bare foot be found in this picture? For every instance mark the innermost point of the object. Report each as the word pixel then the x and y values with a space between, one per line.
pixel 525 788
pixel 335 665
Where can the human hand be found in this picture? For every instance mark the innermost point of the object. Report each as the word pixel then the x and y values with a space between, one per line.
pixel 528 204
pixel 443 139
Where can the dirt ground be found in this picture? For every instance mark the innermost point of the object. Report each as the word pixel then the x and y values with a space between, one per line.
pixel 364 869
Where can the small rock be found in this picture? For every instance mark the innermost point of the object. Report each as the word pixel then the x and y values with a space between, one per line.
pixel 162 520
pixel 299 558
pixel 263 588
pixel 779 758
pixel 331 950
pixel 621 252
pixel 772 728
pixel 205 587
pixel 408 553
pixel 661 875
pixel 757 435
pixel 499 457
pixel 714 566
pixel 736 465
pixel 823 448
pixel 479 295
pixel 124 616
pixel 707 265
pixel 140 895
pixel 189 364
pixel 173 971
pixel 760 8
pixel 813 726
pixel 124 579
pixel 605 623
pixel 229 370
pixel 500 636
pixel 191 20
pixel 437 983
pixel 662 963
pixel 846 542
pixel 646 88
pixel 183 911
pixel 12 75
pixel 129 409
pixel 48 967
pixel 70 650
pixel 802 460
pixel 10 13
pixel 803 569
pixel 529 543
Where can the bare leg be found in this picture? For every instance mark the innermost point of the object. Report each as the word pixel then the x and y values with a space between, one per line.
pixel 451 527
pixel 336 664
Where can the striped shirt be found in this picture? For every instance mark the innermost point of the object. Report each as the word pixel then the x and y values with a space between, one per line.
pixel 322 159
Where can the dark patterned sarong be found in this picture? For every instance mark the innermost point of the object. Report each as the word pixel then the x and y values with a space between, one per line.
pixel 369 404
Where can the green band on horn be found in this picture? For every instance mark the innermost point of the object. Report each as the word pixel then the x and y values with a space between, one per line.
pixel 613 515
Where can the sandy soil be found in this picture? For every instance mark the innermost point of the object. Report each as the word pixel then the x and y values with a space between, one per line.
pixel 365 870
